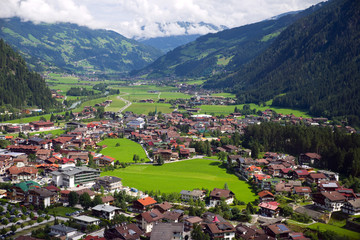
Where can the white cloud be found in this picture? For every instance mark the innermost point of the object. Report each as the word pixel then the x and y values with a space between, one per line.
pixel 128 16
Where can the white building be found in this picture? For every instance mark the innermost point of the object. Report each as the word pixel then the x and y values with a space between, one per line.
pixel 73 176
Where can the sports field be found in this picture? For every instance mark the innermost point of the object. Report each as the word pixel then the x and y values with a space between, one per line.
pixel 125 152
pixel 182 175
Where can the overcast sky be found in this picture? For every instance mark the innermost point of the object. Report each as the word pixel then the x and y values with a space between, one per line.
pixel 128 16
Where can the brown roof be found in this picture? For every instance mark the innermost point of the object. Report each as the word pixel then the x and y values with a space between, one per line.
pixel 221 193
pixel 194 219
pixel 302 189
pixel 279 229
pixel 124 230
pixel 317 176
pixel 107 199
pixel 17 170
pixel 152 216
pixel 313 155
pixel 220 227
pixel 82 191
pixel 265 193
pixel 333 196
pixel 172 215
pixel 164 206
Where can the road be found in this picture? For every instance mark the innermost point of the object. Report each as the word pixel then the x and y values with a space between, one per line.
pixel 128 103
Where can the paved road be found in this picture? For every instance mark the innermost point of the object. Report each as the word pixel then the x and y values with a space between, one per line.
pixel 128 103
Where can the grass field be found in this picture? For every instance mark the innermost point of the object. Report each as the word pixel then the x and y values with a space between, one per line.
pixel 55 132
pixel 338 230
pixel 115 105
pixel 183 175
pixel 145 108
pixel 125 152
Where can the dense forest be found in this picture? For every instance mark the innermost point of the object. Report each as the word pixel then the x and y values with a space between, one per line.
pixel 340 151
pixel 20 87
pixel 314 64
pixel 223 51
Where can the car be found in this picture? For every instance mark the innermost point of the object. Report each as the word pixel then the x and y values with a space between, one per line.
pixel 19 215
pixel 18 223
pixel 67 214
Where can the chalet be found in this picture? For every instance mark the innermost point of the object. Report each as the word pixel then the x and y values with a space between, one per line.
pixel 41 125
pixel 168 231
pixel 269 209
pixel 85 190
pixel 105 161
pixel 149 219
pixel 41 197
pixel 331 201
pixel 163 207
pixel 217 195
pixel 22 173
pixel 27 149
pixel 328 185
pixel 173 216
pixel 82 157
pixel 19 191
pixel 105 211
pixel 184 153
pixel 266 196
pixel 278 231
pixel 300 174
pixel 220 230
pixel 275 170
pixel 142 204
pixel 310 159
pixel 315 178
pixel 107 200
pixel 250 232
pixel 165 154
pixel 189 222
pixel 194 195
pixel 302 191
pixel 109 183
pixel 352 207
pixel 123 231
pixel 230 148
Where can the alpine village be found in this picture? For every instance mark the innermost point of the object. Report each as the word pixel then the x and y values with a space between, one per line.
pixel 247 133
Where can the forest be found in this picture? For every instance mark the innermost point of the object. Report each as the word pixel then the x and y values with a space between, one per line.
pixel 340 151
pixel 19 87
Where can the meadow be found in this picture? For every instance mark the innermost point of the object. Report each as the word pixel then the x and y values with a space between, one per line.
pixel 125 152
pixel 145 108
pixel 182 175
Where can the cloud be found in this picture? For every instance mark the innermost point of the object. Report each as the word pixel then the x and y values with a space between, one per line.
pixel 129 17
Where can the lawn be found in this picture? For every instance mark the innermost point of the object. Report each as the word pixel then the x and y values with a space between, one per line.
pixel 115 105
pixel 145 108
pixel 182 175
pixel 338 230
pixel 55 132
pixel 125 152
pixel 61 211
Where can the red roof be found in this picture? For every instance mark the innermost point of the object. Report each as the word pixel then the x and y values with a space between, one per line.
pixel 264 193
pixel 146 201
pixel 269 205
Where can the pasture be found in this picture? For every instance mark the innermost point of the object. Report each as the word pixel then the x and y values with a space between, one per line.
pixel 145 108
pixel 182 175
pixel 125 152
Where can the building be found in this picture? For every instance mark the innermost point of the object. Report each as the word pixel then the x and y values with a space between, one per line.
pixel 168 231
pixel 278 231
pixel 269 209
pixel 266 196
pixel 220 230
pixel 331 201
pixel 73 176
pixel 195 195
pixel 124 231
pixel 218 194
pixel 137 123
pixel 41 197
pixel 302 191
pixel 143 204
pixel 86 220
pixel 105 161
pixel 352 207
pixel 190 221
pixel 105 211
pixel 149 219
pixel 22 173
pixel 310 159
pixel 109 183
pixel 19 191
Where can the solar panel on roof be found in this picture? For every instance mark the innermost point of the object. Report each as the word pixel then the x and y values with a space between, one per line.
pixel 131 232
pixel 153 215
pixel 283 228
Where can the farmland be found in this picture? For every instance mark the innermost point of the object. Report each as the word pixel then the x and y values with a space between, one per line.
pixel 125 152
pixel 183 175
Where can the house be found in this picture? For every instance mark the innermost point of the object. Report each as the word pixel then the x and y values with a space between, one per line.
pixel 165 154
pixel 65 232
pixel 41 197
pixel 184 153
pixel 310 159
pixel 163 207
pixel 195 195
pixel 328 186
pixel 269 209
pixel 278 231
pixel 275 170
pixel 22 173
pixel 149 219
pixel 331 201
pixel 19 191
pixel 220 230
pixel 300 174
pixel 137 123
pixel 190 221
pixel 266 196
pixel 315 178
pixel 173 216
pixel 85 190
pixel 105 161
pixel 251 232
pixel 218 194
pixel 168 231
pixel 107 200
pixel 109 183
pixel 73 176
pixel 105 211
pixel 302 191
pixel 85 221
pixel 352 207
pixel 123 231
pixel 142 204
pixel 42 125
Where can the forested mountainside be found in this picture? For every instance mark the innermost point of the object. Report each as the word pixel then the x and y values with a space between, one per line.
pixel 314 64
pixel 225 50
pixel 74 48
pixel 166 44
pixel 18 86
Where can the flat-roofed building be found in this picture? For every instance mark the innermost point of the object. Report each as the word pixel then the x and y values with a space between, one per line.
pixel 73 176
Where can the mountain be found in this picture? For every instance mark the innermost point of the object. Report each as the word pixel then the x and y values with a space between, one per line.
pixel 314 64
pixel 18 86
pixel 74 48
pixel 216 52
pixel 166 44
pixel 175 34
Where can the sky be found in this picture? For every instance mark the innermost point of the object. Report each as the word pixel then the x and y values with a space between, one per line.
pixel 140 18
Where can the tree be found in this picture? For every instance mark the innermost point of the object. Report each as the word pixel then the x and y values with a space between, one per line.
pixel 198 234
pixel 97 200
pixel 13 228
pixel 160 160
pixel 222 156
pixel 102 190
pixel 73 198
pixel 250 208
pixel 85 201
pixel 226 187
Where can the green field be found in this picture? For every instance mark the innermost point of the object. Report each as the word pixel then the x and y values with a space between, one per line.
pixel 125 152
pixel 115 105
pixel 183 175
pixel 338 230
pixel 145 108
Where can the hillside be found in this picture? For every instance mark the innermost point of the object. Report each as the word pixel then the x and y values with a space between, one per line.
pixel 213 53
pixel 74 48
pixel 18 86
pixel 166 44
pixel 314 64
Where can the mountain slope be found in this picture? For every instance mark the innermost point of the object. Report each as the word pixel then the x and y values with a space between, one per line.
pixel 166 44
pixel 74 48
pixel 213 53
pixel 314 64
pixel 18 86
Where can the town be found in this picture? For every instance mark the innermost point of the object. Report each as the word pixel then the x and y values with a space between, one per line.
pixel 58 179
